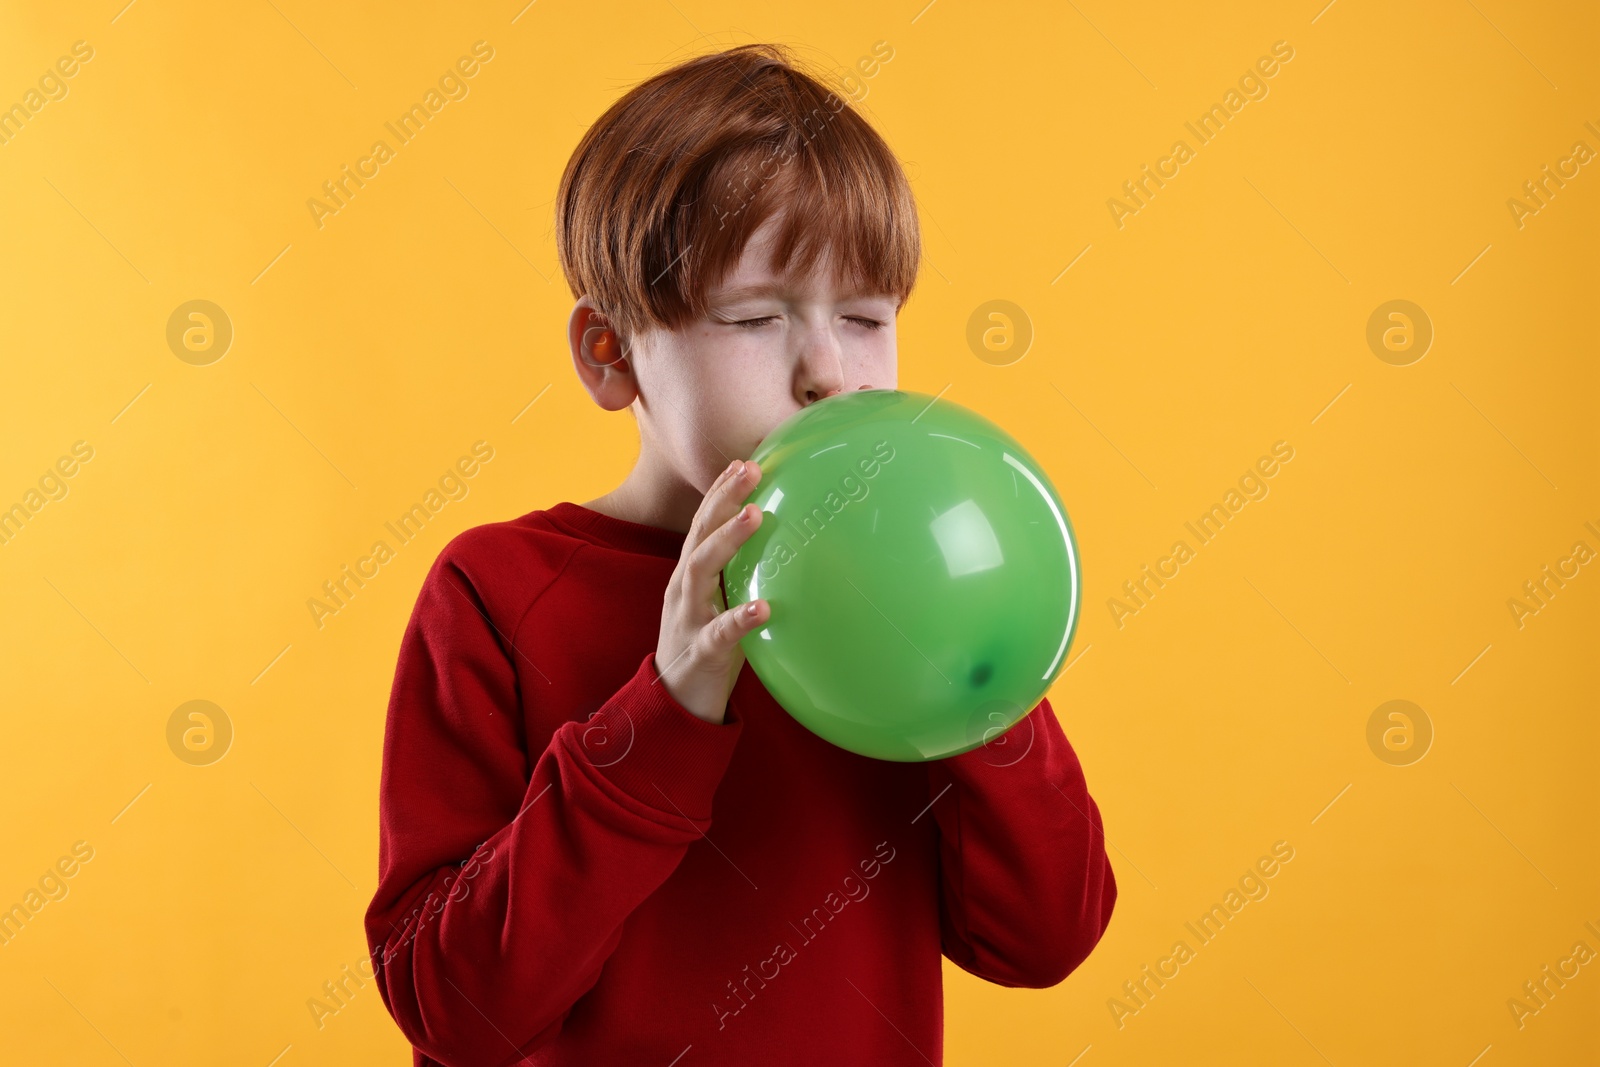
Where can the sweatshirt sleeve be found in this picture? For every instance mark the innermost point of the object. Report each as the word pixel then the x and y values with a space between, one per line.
pixel 1026 888
pixel 505 875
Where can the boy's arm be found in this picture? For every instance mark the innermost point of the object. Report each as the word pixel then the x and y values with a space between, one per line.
pixel 503 887
pixel 1026 887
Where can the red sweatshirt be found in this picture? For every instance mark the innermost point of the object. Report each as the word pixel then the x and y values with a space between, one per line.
pixel 573 869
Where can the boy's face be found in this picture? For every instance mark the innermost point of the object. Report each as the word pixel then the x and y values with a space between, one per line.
pixel 709 392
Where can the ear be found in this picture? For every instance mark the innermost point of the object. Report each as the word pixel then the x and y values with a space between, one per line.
pixel 598 357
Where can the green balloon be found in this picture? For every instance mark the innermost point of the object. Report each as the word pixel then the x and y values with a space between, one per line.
pixel 921 571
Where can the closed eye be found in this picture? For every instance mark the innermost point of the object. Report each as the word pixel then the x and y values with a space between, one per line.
pixel 752 324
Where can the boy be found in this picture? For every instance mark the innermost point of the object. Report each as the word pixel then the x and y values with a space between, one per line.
pixel 602 841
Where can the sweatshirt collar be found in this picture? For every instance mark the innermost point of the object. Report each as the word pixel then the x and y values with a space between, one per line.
pixel 599 528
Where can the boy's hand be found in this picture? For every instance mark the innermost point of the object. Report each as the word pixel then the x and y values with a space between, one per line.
pixel 698 654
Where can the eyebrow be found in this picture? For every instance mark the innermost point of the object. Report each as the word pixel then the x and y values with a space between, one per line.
pixel 760 289
pixel 742 292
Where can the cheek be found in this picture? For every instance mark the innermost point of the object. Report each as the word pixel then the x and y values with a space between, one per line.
pixel 724 397
pixel 880 365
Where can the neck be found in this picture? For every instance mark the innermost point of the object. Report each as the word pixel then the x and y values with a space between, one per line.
pixel 651 495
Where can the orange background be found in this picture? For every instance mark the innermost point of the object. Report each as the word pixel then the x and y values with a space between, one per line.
pixel 1167 354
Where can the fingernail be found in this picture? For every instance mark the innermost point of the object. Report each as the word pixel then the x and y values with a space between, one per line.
pixel 738 468
pixel 750 609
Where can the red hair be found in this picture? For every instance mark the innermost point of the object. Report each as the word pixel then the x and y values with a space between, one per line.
pixel 664 191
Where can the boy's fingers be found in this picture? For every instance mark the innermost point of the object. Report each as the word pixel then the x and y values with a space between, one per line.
pixel 714 535
pixel 733 490
pixel 714 508
pixel 737 622
pixel 713 554
pixel 719 549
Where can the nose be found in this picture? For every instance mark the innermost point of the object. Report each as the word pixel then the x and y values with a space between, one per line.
pixel 820 372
